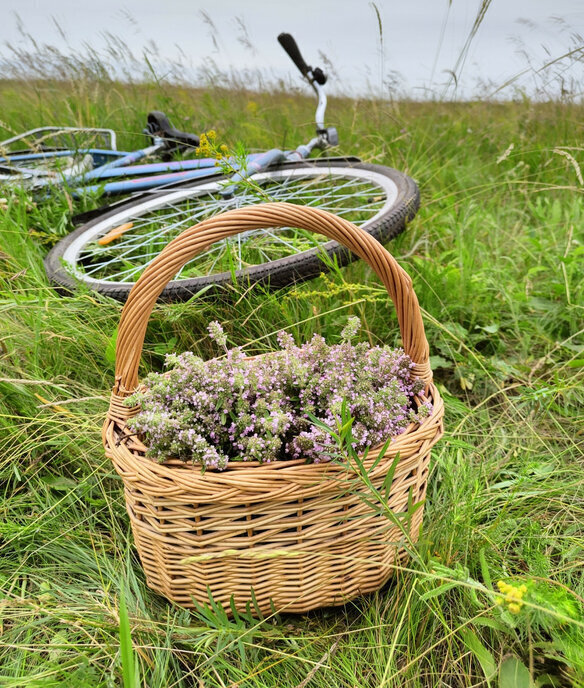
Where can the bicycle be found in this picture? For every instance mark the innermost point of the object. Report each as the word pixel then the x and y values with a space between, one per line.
pixel 60 156
pixel 110 251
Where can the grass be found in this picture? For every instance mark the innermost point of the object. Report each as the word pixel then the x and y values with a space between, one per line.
pixel 496 255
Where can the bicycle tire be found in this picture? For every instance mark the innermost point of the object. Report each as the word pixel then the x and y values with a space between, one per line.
pixel 399 207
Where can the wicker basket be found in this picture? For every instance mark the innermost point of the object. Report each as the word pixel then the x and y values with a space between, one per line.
pixel 300 535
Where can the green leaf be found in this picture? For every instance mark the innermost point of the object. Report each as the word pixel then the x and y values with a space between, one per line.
pixel 547 680
pixel 217 607
pixel 126 649
pixel 234 611
pixel 440 362
pixel 255 604
pixel 165 347
pixel 325 428
pixel 495 624
pixel 482 654
pixel 388 480
pixel 490 329
pixel 372 504
pixel 436 592
pixel 485 568
pixel 59 483
pixel 110 350
pixel 514 674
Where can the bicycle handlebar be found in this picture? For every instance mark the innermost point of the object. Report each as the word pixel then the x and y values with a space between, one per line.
pixel 311 74
pixel 289 45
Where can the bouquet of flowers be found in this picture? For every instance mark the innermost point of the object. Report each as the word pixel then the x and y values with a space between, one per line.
pixel 284 405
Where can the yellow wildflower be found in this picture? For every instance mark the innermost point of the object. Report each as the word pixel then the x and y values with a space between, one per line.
pixel 204 145
pixel 513 596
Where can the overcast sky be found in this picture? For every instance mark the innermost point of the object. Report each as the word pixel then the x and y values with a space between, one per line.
pixel 422 39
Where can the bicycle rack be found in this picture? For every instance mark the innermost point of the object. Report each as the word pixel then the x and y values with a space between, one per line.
pixel 40 137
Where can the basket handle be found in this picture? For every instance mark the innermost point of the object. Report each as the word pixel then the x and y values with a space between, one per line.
pixel 196 239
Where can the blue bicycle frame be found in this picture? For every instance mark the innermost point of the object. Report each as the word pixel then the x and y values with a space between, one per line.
pixel 152 176
pixel 145 176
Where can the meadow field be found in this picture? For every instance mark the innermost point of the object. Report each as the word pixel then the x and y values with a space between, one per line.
pixel 496 254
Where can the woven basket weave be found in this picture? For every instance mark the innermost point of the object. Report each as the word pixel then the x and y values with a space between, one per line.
pixel 300 535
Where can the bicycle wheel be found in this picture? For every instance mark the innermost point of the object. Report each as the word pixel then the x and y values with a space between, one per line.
pixel 110 252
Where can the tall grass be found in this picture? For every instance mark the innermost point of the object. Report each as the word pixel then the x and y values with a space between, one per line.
pixel 496 259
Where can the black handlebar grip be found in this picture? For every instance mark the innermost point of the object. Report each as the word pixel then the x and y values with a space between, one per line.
pixel 289 45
